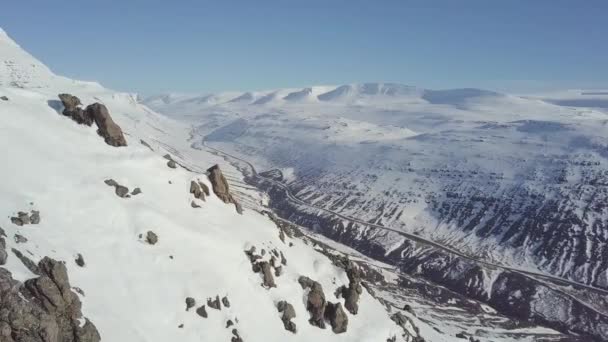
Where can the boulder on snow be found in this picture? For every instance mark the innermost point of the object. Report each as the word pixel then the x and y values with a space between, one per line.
pixel 225 302
pixel 120 190
pixel 72 109
pixel 214 303
pixel 151 237
pixel 336 316
pixel 172 164
pixel 106 127
pixel 3 98
pixel 220 187
pixel 136 191
pixel 190 303
pixel 315 301
pixel 27 262
pixel 201 311
pixel 195 205
pixel 43 309
pixel 287 314
pixel 79 260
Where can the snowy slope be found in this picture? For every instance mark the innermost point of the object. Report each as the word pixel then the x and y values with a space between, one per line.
pixel 134 291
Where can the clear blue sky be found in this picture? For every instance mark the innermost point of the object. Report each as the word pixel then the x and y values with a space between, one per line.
pixel 201 46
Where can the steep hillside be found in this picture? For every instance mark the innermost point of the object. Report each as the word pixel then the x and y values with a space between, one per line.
pixel 150 257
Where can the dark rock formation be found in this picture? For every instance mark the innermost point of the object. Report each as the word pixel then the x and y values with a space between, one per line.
pixel 236 337
pixel 24 218
pixel 120 190
pixel 79 260
pixel 199 189
pixel 172 164
pixel 106 127
pixel 136 191
pixel 151 237
pixel 3 98
pixel 190 303
pixel 315 302
pixel 229 323
pixel 287 314
pixel 214 303
pixel 73 110
pixel 336 317
pixel 43 309
pixel 220 187
pixel 143 142
pixel 193 204
pixel 201 311
pixel 225 302
pixel 404 322
pixel 353 291
pixel 20 238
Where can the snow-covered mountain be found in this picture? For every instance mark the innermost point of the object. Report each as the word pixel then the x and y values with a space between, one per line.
pixel 461 187
pixel 142 242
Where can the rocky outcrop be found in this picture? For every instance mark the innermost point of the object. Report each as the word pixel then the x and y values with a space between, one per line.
pixel 221 188
pixel 353 291
pixel 215 303
pixel 336 316
pixel 43 309
pixel 24 218
pixel 225 302
pixel 106 127
pixel 315 301
pixel 287 314
pixel 199 190
pixel 407 325
pixel 72 109
pixel 96 112
pixel 3 98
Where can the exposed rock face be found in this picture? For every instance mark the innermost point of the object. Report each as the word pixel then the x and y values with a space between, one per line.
pixel 3 98
pixel 43 309
pixel 20 238
pixel 221 188
pixel 315 303
pixel 288 313
pixel 106 127
pixel 353 291
pixel 136 191
pixel 404 322
pixel 151 237
pixel 72 109
pixel 336 317
pixel 27 262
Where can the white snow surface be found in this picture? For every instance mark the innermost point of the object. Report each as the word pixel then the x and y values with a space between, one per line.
pixel 135 291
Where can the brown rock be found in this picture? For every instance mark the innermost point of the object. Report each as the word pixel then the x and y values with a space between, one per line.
pixel 106 127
